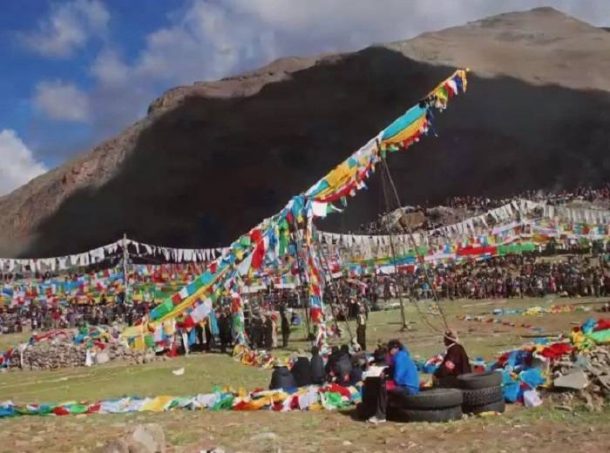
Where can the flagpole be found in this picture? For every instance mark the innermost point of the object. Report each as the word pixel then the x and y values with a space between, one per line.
pixel 125 262
pixel 403 317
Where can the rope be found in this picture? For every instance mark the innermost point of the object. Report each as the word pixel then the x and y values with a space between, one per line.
pixel 422 315
pixel 334 295
pixel 412 239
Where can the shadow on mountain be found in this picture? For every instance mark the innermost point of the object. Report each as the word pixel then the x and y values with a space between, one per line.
pixel 212 168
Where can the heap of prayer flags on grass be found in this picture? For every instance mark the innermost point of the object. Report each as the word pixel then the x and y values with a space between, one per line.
pixel 329 397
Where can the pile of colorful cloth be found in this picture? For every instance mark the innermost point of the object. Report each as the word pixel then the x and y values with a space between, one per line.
pixel 530 367
pixel 261 359
pixel 490 320
pixel 330 397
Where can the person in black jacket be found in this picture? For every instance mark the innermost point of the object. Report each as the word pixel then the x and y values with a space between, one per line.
pixel 224 332
pixel 342 369
pixel 285 326
pixel 268 335
pixel 330 363
pixel 317 367
pixel 281 378
pixel 301 371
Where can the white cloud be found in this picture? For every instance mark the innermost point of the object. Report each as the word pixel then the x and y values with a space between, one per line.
pixel 62 101
pixel 69 27
pixel 17 162
pixel 109 69
pixel 207 41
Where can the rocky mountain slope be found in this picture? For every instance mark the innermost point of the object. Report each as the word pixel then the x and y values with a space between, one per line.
pixel 212 159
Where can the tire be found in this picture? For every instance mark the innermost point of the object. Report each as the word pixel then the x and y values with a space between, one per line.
pixel 432 415
pixel 430 399
pixel 474 381
pixel 479 397
pixel 498 406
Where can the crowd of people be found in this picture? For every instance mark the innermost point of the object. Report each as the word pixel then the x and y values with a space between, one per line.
pixel 470 206
pixel 42 316
pixel 270 315
pixel 514 276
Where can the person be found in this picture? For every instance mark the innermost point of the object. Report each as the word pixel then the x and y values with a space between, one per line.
pixel 295 320
pixel 342 369
pixel 257 332
pixel 285 327
pixel 209 338
pixel 301 372
pixel 224 331
pixel 317 367
pixel 404 380
pixel 332 360
pixel 358 364
pixel 268 333
pixel 361 328
pixel 281 378
pixel 455 362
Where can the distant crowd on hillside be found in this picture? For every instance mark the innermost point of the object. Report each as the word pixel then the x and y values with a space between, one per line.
pixel 475 205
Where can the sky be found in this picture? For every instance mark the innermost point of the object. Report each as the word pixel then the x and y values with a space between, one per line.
pixel 76 72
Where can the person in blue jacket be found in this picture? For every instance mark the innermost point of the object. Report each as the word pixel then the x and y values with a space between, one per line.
pixel 402 378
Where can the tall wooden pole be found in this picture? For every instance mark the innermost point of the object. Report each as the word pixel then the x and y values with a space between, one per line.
pixel 392 249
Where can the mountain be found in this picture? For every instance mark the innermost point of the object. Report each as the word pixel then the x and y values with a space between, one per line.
pixel 212 159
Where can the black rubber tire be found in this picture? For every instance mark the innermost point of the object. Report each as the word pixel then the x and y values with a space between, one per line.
pixel 479 397
pixel 473 381
pixel 498 406
pixel 430 399
pixel 432 415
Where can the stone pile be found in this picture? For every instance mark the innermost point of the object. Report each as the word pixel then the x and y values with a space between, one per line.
pixel 587 375
pixel 118 351
pixel 63 353
pixel 53 355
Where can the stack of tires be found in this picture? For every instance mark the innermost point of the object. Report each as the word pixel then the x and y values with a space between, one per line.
pixel 482 392
pixel 436 405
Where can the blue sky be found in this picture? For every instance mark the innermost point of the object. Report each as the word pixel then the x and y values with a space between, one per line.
pixel 75 72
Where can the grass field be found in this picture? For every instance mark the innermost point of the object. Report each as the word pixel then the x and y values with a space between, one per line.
pixel 543 429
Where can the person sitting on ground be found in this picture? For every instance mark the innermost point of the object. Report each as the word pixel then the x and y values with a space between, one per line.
pixel 282 378
pixel 317 367
pixel 455 362
pixel 301 371
pixel 358 366
pixel 403 379
pixel 294 319
pixel 330 363
pixel 342 369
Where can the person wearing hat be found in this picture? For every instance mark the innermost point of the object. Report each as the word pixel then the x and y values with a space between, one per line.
pixel 455 362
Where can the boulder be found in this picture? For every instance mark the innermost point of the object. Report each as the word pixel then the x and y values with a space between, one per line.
pixel 148 438
pixel 102 357
pixel 576 380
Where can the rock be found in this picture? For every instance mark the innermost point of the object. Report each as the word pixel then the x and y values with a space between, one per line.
pixel 264 436
pixel 102 357
pixel 604 381
pixel 115 446
pixel 576 380
pixel 150 437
